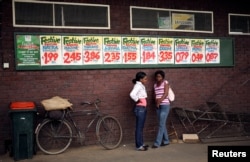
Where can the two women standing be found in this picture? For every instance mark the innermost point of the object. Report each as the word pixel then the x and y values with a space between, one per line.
pixel 139 95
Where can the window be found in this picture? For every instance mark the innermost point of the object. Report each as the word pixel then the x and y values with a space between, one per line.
pixel 145 18
pixel 239 24
pixel 45 14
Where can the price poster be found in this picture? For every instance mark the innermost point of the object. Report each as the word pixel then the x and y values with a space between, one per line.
pixel 212 51
pixel 130 50
pixel 182 51
pixel 50 51
pixel 112 50
pixel 50 48
pixel 92 50
pixel 165 50
pixel 197 51
pixel 28 50
pixel 72 50
pixel 148 50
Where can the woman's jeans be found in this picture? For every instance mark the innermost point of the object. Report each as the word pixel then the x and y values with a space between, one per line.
pixel 162 115
pixel 140 113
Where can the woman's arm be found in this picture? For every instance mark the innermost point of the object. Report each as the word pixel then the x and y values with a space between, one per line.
pixel 134 92
pixel 166 88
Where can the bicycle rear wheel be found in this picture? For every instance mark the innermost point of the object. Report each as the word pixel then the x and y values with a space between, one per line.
pixel 53 136
pixel 109 132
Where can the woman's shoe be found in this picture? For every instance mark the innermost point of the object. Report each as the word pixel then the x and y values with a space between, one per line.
pixel 145 146
pixel 163 144
pixel 142 148
pixel 154 146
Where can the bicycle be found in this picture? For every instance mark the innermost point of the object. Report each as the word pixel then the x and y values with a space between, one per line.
pixel 54 136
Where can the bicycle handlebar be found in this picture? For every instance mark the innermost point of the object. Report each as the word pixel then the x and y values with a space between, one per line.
pixel 97 101
pixel 90 103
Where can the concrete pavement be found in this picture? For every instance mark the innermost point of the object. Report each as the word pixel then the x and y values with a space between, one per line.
pixel 175 152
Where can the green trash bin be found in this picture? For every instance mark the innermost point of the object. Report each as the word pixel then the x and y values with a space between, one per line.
pixel 23 118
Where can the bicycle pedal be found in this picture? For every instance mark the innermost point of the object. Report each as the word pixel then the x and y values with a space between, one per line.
pixel 81 139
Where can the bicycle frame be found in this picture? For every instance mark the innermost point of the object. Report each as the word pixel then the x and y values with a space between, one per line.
pixel 69 116
pixel 73 114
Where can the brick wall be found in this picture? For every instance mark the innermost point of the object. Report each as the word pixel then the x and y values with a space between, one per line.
pixel 192 86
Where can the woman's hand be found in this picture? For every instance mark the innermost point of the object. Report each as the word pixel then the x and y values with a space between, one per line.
pixel 138 101
pixel 158 102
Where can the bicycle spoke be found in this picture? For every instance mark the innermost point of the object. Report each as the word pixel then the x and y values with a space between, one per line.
pixel 54 137
pixel 109 132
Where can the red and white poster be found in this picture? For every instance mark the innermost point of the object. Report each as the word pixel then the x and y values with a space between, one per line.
pixel 148 50
pixel 72 50
pixel 130 50
pixel 112 50
pixel 182 51
pixel 50 48
pixel 197 51
pixel 92 50
pixel 165 50
pixel 212 51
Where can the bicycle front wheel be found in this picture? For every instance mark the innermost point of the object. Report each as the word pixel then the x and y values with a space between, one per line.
pixel 109 132
pixel 53 136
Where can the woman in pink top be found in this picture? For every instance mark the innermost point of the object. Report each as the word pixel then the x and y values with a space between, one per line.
pixel 162 108
pixel 139 95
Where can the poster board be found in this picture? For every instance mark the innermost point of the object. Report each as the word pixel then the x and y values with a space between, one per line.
pixel 70 51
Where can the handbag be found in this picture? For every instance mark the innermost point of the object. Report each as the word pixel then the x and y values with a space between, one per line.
pixel 171 95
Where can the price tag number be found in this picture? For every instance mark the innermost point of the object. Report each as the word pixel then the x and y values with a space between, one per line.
pixel 148 56
pixel 130 56
pixel 50 57
pixel 164 56
pixel 112 56
pixel 181 56
pixel 211 56
pixel 91 55
pixel 72 57
pixel 196 57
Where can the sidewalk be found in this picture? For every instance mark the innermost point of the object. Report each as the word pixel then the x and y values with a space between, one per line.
pixel 175 152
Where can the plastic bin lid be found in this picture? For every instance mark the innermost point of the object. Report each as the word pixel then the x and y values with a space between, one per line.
pixel 22 105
